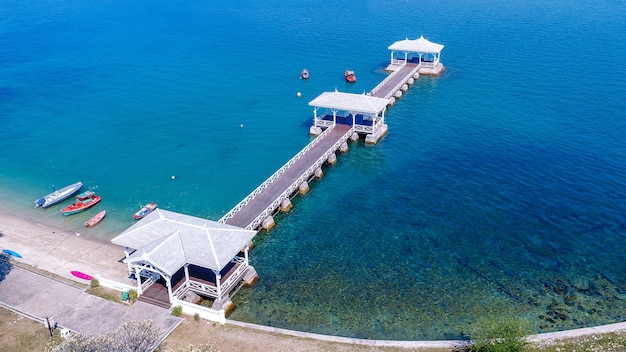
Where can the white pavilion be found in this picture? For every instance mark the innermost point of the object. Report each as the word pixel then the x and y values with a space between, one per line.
pixel 419 51
pixel 364 113
pixel 172 254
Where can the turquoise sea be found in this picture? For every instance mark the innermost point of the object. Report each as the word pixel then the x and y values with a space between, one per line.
pixel 499 191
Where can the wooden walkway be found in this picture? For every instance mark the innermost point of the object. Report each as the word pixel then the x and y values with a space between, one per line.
pixel 394 81
pixel 263 202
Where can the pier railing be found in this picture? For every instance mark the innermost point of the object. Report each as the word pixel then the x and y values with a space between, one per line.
pixel 269 181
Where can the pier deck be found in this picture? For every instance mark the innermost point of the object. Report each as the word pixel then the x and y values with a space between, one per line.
pixel 262 202
pixel 394 81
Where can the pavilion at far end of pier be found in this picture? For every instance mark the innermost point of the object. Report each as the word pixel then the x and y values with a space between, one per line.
pixel 417 51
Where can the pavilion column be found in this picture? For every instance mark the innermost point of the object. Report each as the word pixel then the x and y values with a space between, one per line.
pixel 245 255
pixel 334 117
pixel 126 254
pixel 139 285
pixel 406 57
pixel 218 283
pixel 168 283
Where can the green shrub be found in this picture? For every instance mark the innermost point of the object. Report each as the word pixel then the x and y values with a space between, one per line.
pixel 499 336
pixel 132 295
pixel 196 317
pixel 177 311
pixel 94 283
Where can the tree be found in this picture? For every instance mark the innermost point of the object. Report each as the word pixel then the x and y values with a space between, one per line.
pixel 137 336
pixel 5 265
pixel 132 336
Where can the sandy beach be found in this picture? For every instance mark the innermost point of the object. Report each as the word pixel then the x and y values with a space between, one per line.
pixel 59 251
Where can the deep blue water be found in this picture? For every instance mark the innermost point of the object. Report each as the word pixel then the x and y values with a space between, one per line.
pixel 499 190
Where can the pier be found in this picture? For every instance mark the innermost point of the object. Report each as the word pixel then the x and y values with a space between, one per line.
pixel 338 117
pixel 285 183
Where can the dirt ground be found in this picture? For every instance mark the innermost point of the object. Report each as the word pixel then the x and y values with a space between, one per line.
pixel 228 338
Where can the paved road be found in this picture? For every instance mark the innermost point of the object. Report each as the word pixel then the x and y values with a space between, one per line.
pixel 38 296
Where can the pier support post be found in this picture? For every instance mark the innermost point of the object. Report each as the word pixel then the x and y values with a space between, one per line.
pixel 268 223
pixel 404 87
pixel 410 81
pixel 315 131
pixel 224 304
pixel 354 137
pixel 304 188
pixel 373 138
pixel 397 94
pixel 286 206
pixel 392 101
pixel 250 277
pixel 319 173
pixel 332 159
pixel 344 147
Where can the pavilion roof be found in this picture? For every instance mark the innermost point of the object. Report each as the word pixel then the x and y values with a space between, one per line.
pixel 350 102
pixel 420 45
pixel 169 240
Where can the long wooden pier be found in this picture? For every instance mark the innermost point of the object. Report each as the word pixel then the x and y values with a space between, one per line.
pixel 285 183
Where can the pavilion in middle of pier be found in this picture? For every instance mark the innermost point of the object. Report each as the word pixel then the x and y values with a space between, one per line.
pixel 365 113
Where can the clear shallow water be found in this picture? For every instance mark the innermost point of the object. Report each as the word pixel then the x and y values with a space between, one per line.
pixel 498 192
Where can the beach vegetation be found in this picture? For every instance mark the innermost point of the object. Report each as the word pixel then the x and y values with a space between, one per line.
pixel 177 311
pixel 196 317
pixel 94 283
pixel 132 296
pixel 499 336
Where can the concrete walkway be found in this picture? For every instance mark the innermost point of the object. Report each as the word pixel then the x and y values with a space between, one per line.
pixel 38 297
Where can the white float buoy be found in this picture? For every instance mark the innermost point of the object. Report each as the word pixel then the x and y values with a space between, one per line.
pixel 241 125
pixel 299 94
pixel 173 177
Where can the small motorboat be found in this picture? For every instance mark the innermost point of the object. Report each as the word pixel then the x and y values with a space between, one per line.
pixel 58 196
pixel 84 201
pixel 350 77
pixel 145 210
pixel 304 74
pixel 96 219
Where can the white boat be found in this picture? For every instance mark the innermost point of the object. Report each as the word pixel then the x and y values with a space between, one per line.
pixel 58 196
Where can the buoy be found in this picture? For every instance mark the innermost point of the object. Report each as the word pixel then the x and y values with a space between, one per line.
pixel 299 94
pixel 173 177
pixel 241 125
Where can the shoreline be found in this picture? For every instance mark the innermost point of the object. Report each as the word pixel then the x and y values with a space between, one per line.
pixel 59 251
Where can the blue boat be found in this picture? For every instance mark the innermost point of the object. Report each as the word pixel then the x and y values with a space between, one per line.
pixel 58 196
pixel 13 253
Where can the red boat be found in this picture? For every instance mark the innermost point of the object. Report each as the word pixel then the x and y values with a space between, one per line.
pixel 350 77
pixel 96 219
pixel 84 201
